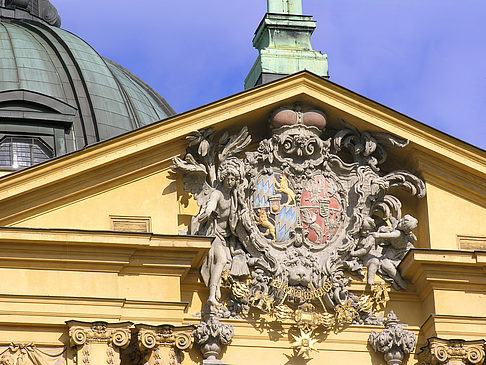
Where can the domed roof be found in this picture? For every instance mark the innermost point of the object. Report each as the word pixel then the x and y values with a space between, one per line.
pixel 50 77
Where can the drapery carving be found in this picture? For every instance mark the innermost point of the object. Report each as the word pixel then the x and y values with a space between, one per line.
pixel 29 353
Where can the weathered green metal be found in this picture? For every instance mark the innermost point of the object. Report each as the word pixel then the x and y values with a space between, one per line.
pixel 283 40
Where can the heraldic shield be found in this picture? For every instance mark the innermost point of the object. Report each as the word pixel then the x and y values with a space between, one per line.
pixel 296 219
pixel 275 207
pixel 321 209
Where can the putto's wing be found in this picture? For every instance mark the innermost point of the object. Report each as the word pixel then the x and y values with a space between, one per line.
pixel 194 177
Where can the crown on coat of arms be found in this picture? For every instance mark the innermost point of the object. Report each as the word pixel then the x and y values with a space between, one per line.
pixel 296 116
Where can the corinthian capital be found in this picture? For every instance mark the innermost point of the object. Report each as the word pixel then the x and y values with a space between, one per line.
pixel 438 351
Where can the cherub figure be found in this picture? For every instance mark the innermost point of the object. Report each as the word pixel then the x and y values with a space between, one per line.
pixel 367 249
pixel 219 211
pixel 382 251
pixel 397 243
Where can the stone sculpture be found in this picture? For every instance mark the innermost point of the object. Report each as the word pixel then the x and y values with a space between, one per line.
pixel 394 341
pixel 211 335
pixel 293 219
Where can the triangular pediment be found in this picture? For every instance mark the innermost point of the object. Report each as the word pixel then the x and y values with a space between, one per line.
pixel 129 176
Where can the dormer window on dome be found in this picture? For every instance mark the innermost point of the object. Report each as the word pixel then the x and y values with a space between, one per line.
pixel 18 152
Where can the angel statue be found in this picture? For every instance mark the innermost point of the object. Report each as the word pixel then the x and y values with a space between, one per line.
pixel 220 212
pixel 216 192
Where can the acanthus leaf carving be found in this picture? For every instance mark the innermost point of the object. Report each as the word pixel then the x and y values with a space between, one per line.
pixel 211 334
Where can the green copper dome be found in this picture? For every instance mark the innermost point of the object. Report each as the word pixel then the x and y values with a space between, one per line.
pixel 55 88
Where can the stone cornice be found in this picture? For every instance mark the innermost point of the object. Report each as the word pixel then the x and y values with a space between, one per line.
pixel 429 268
pixel 115 251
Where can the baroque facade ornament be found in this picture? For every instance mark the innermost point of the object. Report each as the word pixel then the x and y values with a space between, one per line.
pixel 163 344
pixel 211 335
pixel 452 352
pixel 99 338
pixel 295 219
pixel 394 342
pixel 29 353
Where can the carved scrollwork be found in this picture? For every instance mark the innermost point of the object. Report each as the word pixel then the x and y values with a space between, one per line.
pixel 77 336
pixel 183 341
pixel 163 344
pixel 440 351
pixel 84 335
pixel 293 221
pixel 147 339
pixel 121 338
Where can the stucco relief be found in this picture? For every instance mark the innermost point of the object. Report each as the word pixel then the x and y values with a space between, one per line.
pixel 30 353
pixel 295 219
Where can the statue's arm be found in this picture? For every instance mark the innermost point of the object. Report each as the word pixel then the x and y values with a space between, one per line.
pixel 210 207
pixel 393 234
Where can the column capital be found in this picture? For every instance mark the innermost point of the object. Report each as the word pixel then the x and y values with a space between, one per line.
pixel 162 344
pixel 439 351
pixel 81 333
pixel 165 335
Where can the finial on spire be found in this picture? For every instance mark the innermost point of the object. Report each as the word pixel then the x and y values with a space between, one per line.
pixel 285 6
pixel 283 42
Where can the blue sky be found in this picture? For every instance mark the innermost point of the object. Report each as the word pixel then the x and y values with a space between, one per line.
pixel 424 58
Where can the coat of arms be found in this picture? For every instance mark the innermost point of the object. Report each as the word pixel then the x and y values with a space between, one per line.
pixel 295 219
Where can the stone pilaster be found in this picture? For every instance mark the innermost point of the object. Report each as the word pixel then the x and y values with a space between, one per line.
pixel 98 343
pixel 162 345
pixel 394 342
pixel 452 352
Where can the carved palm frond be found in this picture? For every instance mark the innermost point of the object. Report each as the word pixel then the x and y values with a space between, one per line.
pixel 406 180
pixel 234 145
pixel 388 206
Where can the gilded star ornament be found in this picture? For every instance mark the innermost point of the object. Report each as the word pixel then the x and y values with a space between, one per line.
pixel 304 343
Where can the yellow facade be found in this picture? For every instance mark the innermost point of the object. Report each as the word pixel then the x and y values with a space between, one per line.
pixel 63 259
